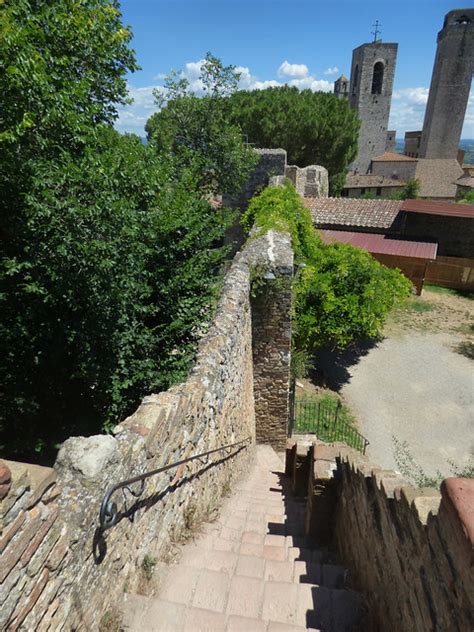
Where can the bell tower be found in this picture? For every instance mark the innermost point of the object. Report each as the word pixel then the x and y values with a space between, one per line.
pixel 370 94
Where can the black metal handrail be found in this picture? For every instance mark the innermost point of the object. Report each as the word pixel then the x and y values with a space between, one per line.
pixel 109 514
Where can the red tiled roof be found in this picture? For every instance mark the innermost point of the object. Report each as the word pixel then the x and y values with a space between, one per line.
pixel 438 208
pixel 381 244
pixel 330 212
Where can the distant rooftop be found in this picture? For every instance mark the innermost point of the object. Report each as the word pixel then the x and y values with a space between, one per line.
pixel 438 177
pixel 381 244
pixel 438 208
pixel 392 156
pixel 332 212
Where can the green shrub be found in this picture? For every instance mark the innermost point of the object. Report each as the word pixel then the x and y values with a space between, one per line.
pixel 341 293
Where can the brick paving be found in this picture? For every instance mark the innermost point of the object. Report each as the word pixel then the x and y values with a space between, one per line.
pixel 251 570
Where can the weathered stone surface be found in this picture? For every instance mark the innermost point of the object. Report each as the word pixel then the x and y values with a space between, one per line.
pixel 27 603
pixel 459 493
pixel 15 550
pixel 5 479
pixel 9 531
pixel 402 549
pixel 70 573
pixel 87 455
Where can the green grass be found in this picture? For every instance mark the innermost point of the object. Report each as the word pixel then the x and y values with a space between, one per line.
pixel 318 415
pixel 417 305
pixel 437 289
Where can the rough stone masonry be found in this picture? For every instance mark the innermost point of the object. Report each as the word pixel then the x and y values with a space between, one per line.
pixel 58 570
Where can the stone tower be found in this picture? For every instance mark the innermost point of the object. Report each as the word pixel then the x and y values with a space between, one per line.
pixel 372 73
pixel 450 86
pixel 341 87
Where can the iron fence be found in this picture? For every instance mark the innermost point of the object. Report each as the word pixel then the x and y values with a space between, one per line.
pixel 323 419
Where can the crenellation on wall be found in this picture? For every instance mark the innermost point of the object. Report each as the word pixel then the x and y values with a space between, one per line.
pixel 59 570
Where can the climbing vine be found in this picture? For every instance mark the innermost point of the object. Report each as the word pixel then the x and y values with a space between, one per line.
pixel 341 293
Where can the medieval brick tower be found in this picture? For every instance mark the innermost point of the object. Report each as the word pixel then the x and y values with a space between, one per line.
pixel 450 86
pixel 372 73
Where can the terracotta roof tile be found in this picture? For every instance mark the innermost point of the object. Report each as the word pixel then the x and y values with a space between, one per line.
pixel 353 212
pixel 438 176
pixel 391 156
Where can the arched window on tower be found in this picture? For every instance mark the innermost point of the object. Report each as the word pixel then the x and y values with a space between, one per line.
pixel 377 78
pixel 356 79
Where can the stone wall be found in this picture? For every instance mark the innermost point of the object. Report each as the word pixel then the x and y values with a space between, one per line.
pixel 408 550
pixel 59 571
pixel 310 181
pixel 271 163
pixel 271 325
pixel 394 169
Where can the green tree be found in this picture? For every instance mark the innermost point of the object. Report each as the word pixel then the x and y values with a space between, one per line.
pixel 468 198
pixel 313 127
pixel 410 191
pixel 110 253
pixel 197 131
pixel 341 293
pixel 115 273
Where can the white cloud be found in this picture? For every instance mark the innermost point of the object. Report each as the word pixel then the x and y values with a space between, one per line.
pixel 132 118
pixel 316 85
pixel 417 96
pixel 292 70
pixel 331 71
pixel 408 111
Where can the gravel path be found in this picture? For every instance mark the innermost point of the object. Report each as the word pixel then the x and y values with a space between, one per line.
pixel 416 389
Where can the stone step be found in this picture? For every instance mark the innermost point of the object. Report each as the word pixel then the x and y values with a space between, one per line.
pixel 250 606
pixel 252 570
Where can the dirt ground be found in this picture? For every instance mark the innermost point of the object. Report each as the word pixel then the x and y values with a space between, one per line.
pixel 413 391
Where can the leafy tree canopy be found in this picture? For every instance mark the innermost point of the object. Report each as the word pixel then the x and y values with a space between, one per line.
pixel 313 127
pixel 62 72
pixel 468 198
pixel 197 130
pixel 341 293
pixel 110 255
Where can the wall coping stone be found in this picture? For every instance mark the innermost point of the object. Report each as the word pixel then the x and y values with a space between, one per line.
pixel 459 494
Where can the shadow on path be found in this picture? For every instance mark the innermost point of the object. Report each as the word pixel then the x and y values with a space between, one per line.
pixel 331 366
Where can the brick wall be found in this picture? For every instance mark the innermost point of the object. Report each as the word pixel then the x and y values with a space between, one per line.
pixel 408 550
pixel 59 571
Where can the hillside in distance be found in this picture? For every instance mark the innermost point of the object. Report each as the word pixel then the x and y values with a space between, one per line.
pixel 466 143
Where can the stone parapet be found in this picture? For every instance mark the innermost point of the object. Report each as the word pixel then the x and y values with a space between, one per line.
pixel 409 550
pixel 59 571
pixel 311 181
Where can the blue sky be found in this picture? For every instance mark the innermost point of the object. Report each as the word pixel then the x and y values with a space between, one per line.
pixel 304 42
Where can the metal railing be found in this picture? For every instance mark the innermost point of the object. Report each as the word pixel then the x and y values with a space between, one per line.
pixel 323 420
pixel 109 514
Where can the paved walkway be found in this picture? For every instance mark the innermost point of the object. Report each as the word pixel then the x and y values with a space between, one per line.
pixel 252 570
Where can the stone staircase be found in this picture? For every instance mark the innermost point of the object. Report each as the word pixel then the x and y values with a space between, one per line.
pixel 252 570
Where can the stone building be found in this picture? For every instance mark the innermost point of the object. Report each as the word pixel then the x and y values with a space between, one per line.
pixel 372 73
pixel 450 86
pixel 341 87
pixel 412 144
